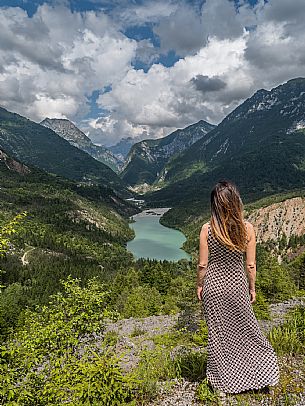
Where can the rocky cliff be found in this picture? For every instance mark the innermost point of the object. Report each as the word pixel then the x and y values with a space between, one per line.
pixel 147 159
pixel 272 222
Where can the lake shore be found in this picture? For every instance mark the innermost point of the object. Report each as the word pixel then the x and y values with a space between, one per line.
pixel 153 240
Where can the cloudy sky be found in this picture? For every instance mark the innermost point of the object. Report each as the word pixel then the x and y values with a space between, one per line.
pixel 143 68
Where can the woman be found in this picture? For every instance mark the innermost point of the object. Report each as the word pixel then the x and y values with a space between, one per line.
pixel 239 355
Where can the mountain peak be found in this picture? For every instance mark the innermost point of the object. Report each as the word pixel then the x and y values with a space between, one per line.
pixel 296 80
pixel 71 133
pixel 66 129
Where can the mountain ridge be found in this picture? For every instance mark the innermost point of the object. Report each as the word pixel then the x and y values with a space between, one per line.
pixel 260 146
pixel 147 159
pixel 36 145
pixel 70 132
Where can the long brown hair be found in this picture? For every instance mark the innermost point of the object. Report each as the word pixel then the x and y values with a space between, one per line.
pixel 227 222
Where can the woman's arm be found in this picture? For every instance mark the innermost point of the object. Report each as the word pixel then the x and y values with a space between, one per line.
pixel 203 259
pixel 251 261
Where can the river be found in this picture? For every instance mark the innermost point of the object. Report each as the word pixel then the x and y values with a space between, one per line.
pixel 153 240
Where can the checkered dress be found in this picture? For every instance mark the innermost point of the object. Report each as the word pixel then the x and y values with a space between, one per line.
pixel 239 355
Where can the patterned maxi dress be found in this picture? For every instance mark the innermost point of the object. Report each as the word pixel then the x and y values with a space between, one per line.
pixel 239 355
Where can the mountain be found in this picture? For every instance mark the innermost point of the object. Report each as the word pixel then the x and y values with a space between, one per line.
pixel 121 148
pixel 274 221
pixel 13 174
pixel 67 130
pixel 36 145
pixel 69 229
pixel 147 159
pixel 260 146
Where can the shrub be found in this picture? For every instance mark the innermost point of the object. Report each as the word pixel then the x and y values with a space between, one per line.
pixel 261 308
pixel 54 358
pixel 143 301
pixel 273 280
pixel 289 338
pixel 190 364
pixel 154 366
pixel 200 337
pixel 205 393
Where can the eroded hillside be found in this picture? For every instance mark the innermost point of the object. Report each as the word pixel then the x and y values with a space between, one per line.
pixel 283 218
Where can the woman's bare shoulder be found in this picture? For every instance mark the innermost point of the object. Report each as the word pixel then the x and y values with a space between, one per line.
pixel 248 224
pixel 250 228
pixel 205 227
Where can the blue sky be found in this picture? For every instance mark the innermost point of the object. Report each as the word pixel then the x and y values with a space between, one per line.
pixel 144 68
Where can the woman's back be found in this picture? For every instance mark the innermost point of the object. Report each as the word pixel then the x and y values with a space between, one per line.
pixel 219 253
pixel 240 357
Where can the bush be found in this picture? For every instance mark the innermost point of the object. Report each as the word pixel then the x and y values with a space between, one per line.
pixel 205 393
pixel 289 338
pixel 190 364
pixel 273 280
pixel 200 337
pixel 154 366
pixel 143 301
pixel 54 358
pixel 261 308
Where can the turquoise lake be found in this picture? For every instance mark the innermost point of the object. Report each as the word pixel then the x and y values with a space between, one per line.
pixel 153 240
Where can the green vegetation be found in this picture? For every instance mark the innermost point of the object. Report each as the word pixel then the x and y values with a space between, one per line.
pixel 205 393
pixel 36 145
pixel 148 159
pixel 234 151
pixel 297 270
pixel 66 272
pixel 53 357
pixel 289 337
pixel 69 229
pixel 273 280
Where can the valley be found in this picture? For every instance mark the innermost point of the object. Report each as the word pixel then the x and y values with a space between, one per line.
pixel 90 248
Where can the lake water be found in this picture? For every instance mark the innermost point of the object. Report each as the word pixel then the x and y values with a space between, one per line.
pixel 153 240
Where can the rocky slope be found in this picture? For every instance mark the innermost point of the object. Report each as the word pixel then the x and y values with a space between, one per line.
pixel 283 218
pixel 183 392
pixel 267 119
pixel 122 148
pixel 13 165
pixel 77 138
pixel 147 159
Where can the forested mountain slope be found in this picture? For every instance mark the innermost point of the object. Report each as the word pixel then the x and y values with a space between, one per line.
pixel 260 146
pixel 36 145
pixel 67 130
pixel 68 227
pixel 147 159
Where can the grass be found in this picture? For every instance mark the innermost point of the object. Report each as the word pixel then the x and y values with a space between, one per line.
pixel 137 331
pixel 289 338
pixel 111 338
pixel 181 355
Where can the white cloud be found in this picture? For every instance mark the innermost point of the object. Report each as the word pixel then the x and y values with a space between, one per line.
pixel 181 31
pixel 56 58
pixel 146 52
pixel 165 97
pixel 51 62
pixel 108 130
pixel 244 61
pixel 149 11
